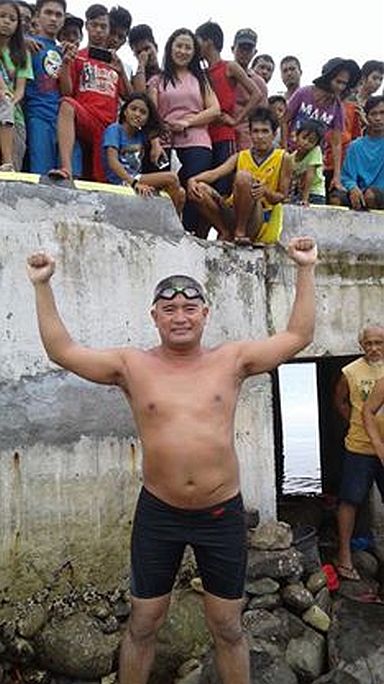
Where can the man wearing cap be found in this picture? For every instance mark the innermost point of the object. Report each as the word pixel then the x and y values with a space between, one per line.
pixel 244 49
pixel 191 493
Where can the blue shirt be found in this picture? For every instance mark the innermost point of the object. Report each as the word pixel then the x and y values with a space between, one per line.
pixel 42 95
pixel 363 165
pixel 130 151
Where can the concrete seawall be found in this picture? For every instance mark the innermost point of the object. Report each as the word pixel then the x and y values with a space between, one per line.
pixel 69 455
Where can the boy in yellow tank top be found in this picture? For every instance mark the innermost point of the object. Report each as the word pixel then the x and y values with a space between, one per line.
pixel 362 459
pixel 253 212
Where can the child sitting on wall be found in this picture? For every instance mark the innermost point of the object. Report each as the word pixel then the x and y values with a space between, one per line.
pixel 308 184
pixel 123 147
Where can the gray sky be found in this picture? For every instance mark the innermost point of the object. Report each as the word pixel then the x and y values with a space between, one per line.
pixel 314 32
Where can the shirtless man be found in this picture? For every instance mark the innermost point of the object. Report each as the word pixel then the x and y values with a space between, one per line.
pixel 190 468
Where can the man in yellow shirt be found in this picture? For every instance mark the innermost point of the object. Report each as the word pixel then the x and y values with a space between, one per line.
pixel 262 175
pixel 361 464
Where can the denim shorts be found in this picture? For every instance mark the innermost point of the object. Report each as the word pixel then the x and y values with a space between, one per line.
pixel 161 532
pixel 359 472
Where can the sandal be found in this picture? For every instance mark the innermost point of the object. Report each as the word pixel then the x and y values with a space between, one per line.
pixel 243 241
pixel 348 572
pixel 59 175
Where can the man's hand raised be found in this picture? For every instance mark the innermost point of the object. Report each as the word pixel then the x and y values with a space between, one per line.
pixel 40 267
pixel 303 251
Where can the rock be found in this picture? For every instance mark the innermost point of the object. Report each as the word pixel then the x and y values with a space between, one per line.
pixel 269 602
pixel 316 581
pixel 291 625
pixel 20 651
pixel 58 679
pixel 110 679
pixel 262 624
pixel 271 536
pixel 32 622
pixel 353 590
pixel 76 648
pixel 324 600
pixel 276 651
pixel 110 625
pixel 266 585
pixel 306 655
pixel 191 678
pixel 366 564
pixel 264 670
pixel 336 677
pixel 183 636
pixel 188 667
pixel 316 617
pixel 284 565
pixel 356 639
pixel 101 611
pixel 197 585
pixel 297 597
pixel 122 610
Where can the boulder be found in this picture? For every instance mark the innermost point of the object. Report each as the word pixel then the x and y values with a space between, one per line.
pixel 316 582
pixel 306 655
pixel 264 670
pixel 266 585
pixel 76 647
pixel 183 637
pixel 316 617
pixel 268 601
pixel 32 622
pixel 279 565
pixel 356 640
pixel 366 564
pixel 271 536
pixel 297 597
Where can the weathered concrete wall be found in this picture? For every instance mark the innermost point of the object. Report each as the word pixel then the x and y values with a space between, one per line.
pixel 69 455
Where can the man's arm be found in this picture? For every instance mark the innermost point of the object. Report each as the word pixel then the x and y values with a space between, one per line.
pixel 341 398
pixel 374 402
pixel 240 77
pixel 212 175
pixel 104 366
pixel 279 195
pixel 260 356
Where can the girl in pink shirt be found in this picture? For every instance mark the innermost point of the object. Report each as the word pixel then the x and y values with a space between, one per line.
pixel 186 104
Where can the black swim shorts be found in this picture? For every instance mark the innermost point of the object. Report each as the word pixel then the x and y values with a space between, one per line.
pixel 160 533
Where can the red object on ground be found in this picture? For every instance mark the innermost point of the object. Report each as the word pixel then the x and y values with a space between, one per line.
pixel 333 582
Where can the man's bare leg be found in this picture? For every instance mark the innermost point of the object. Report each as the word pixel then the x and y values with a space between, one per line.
pixel 137 650
pixel 248 210
pixel 346 517
pixel 223 618
pixel 209 205
pixel 66 132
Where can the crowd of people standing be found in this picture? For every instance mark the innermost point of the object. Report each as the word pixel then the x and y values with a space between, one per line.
pixel 203 128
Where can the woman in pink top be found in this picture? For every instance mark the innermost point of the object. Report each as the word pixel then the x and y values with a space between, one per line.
pixel 186 104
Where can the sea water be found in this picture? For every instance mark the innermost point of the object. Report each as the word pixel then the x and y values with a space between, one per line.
pixel 299 409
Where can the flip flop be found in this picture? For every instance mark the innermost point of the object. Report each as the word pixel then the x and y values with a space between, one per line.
pixel 368 597
pixel 59 174
pixel 348 572
pixel 242 241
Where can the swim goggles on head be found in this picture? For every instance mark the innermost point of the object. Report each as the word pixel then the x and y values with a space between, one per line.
pixel 188 291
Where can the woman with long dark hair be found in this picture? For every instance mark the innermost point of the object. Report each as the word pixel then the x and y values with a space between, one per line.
pixel 186 104
pixel 15 69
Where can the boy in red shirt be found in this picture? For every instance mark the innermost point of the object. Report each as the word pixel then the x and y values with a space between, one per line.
pixel 98 81
pixel 225 77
